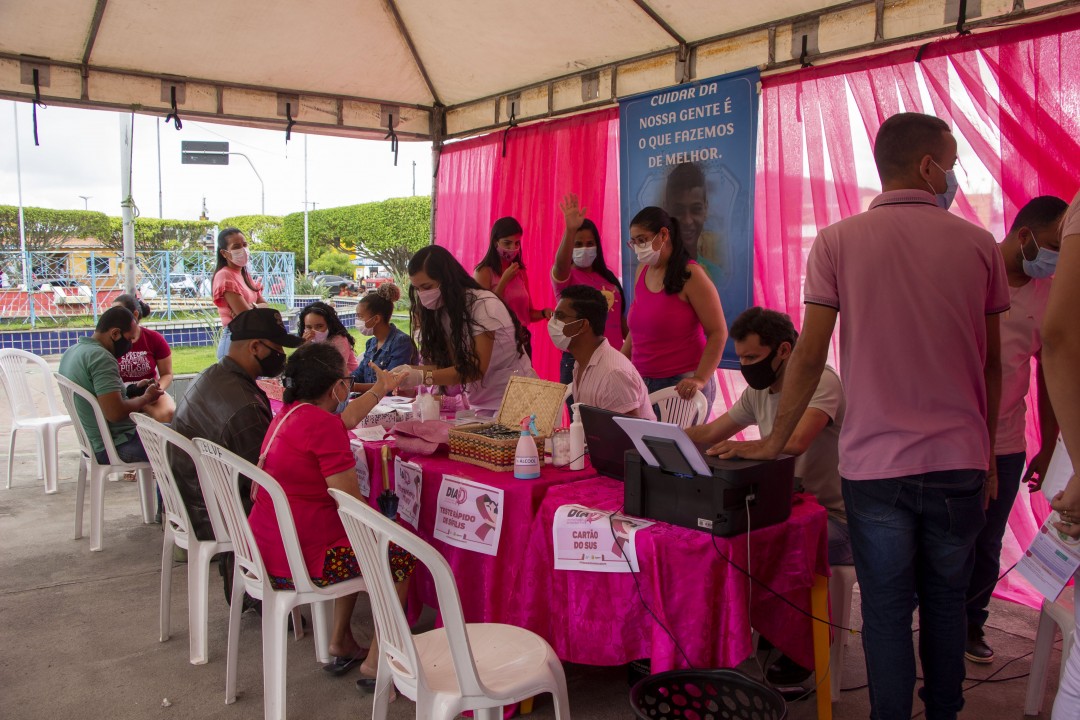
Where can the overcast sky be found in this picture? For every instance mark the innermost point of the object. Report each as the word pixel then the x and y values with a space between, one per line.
pixel 79 154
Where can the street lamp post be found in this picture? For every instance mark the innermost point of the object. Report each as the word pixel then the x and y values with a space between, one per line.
pixel 86 201
pixel 261 184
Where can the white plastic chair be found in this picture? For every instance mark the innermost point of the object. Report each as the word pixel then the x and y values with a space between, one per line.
pixel 98 472
pixel 179 533
pixel 1054 616
pixel 841 586
pixel 475 666
pixel 221 472
pixel 15 365
pixel 684 413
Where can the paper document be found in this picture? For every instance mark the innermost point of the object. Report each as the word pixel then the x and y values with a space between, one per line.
pixel 1058 471
pixel 1050 560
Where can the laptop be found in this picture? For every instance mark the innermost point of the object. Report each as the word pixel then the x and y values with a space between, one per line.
pixel 607 442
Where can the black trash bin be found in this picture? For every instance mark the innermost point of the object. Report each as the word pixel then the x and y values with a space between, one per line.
pixel 705 695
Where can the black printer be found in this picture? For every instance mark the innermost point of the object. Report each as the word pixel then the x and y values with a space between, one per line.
pixel 674 493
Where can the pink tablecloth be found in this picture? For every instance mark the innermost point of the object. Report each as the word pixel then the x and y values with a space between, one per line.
pixel 483 581
pixel 598 618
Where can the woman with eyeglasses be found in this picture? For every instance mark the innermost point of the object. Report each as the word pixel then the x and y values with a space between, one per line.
pixel 307 451
pixel 677 327
pixel 232 288
pixel 580 261
pixel 502 271
pixel 467 335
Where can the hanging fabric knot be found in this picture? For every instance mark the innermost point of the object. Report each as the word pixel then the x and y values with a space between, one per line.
pixel 392 137
pixel 290 123
pixel 174 116
pixel 37 103
pixel 802 58
pixel 506 132
pixel 961 19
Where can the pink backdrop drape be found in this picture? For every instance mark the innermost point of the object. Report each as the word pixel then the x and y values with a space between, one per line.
pixel 1012 97
pixel 477 185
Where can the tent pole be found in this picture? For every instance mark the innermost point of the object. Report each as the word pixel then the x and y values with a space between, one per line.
pixel 127 204
pixel 437 132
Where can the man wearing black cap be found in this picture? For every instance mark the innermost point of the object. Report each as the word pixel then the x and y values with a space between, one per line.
pixel 225 405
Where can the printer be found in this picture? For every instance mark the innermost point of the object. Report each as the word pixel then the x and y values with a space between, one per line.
pixel 675 493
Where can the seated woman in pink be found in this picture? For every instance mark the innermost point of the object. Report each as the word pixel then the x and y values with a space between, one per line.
pixel 580 261
pixel 307 451
pixel 319 322
pixel 148 361
pixel 502 271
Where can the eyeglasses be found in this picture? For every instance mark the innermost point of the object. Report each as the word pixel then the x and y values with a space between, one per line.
pixel 563 317
pixel 641 242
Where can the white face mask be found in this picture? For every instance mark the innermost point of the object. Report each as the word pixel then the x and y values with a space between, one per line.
pixel 555 332
pixel 584 256
pixel 239 256
pixel 647 255
pixel 320 335
pixel 365 330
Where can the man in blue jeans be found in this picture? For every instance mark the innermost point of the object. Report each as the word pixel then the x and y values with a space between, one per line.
pixel 918 292
pixel 1030 254
pixel 92 364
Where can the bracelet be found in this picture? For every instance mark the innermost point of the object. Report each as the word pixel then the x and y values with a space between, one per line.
pixel 374 395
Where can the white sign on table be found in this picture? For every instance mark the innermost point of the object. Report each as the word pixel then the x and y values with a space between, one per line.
pixel 1052 558
pixel 363 474
pixel 408 478
pixel 469 515
pixel 595 540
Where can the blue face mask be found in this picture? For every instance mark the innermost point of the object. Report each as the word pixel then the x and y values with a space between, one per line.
pixel 945 199
pixel 342 404
pixel 1044 264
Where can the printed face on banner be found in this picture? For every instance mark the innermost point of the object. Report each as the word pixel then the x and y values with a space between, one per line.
pixel 469 515
pixel 408 478
pixel 594 540
pixel 692 150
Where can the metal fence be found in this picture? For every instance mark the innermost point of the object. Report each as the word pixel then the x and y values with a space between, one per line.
pixel 83 283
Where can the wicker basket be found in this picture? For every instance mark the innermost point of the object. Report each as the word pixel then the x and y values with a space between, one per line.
pixel 523 397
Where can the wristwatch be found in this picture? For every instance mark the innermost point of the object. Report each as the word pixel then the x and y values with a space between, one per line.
pixel 428 379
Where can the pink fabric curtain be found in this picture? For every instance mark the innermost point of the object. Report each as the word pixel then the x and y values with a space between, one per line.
pixel 477 185
pixel 1014 105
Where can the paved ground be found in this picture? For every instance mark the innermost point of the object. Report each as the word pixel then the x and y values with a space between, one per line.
pixel 79 637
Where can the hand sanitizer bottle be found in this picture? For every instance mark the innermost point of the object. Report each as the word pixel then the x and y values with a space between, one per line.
pixel 577 440
pixel 526 459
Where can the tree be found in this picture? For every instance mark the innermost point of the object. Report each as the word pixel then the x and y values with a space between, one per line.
pixel 334 263
pixel 47 229
pixel 155 234
pixel 264 231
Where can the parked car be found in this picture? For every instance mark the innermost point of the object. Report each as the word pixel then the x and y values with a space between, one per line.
pixel 373 282
pixel 336 284
pixel 188 285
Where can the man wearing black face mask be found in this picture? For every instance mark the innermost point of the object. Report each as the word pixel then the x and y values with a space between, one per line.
pixel 224 404
pixel 91 363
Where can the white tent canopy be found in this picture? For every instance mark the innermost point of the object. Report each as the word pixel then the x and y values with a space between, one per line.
pixel 440 69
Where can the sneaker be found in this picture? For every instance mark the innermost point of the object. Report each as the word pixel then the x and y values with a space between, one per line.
pixel 977 650
pixel 786 672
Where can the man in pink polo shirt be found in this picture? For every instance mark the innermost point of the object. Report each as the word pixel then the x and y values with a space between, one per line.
pixel 1030 253
pixel 919 292
pixel 603 376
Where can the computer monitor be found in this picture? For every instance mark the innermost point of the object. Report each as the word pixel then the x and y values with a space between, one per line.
pixel 607 442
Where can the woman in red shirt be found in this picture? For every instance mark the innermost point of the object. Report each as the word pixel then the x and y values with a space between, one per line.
pixel 148 360
pixel 307 450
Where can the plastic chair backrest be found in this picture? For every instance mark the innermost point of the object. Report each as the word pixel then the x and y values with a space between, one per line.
pixel 684 413
pixel 221 471
pixel 370 534
pixel 14 367
pixel 72 392
pixel 156 439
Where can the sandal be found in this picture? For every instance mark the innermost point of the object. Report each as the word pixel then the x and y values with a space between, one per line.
pixel 341 665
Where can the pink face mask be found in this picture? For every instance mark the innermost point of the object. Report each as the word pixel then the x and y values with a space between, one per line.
pixel 509 255
pixel 430 298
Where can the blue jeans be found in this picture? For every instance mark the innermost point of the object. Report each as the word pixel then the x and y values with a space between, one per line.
pixel 224 343
pixel 654 384
pixel 987 550
pixel 912 537
pixel 128 451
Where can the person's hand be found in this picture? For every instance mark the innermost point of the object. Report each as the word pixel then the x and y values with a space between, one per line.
pixel 308 335
pixel 748 450
pixel 991 485
pixel 510 272
pixel 1067 505
pixel 386 381
pixel 1036 471
pixel 410 375
pixel 153 392
pixel 574 214
pixel 688 386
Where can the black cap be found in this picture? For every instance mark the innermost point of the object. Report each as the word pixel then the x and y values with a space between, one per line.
pixel 263 324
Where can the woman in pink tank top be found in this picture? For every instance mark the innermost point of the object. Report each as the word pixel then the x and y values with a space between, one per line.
pixel 503 272
pixel 677 326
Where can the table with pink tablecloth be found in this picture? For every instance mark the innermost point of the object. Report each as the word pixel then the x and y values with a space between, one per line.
pixel 599 618
pixel 483 581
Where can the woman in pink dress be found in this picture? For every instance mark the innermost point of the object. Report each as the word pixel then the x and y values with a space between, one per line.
pixel 503 272
pixel 319 322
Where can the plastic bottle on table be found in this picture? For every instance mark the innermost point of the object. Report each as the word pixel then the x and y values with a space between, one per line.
pixel 526 459
pixel 577 440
